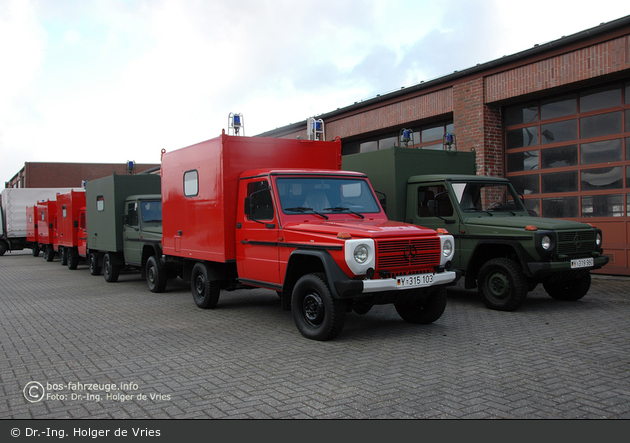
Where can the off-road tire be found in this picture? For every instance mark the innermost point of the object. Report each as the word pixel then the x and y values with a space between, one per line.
pixel 36 251
pixel 72 258
pixel 63 256
pixel 95 269
pixel 423 310
pixel 49 253
pixel 205 292
pixel 570 290
pixel 3 248
pixel 316 313
pixel 111 272
pixel 502 284
pixel 156 277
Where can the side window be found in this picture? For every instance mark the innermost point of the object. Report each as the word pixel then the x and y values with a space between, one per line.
pixel 100 203
pixel 261 202
pixel 63 211
pixel 82 220
pixel 30 218
pixel 444 207
pixel 191 183
pixel 43 216
pixel 132 214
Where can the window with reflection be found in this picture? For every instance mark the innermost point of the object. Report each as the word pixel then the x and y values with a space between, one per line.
pixel 558 107
pixel 602 205
pixel 601 152
pixel 600 125
pixel 559 157
pixel 560 207
pixel 600 98
pixel 522 161
pixel 519 138
pixel 602 178
pixel 558 132
pixel 560 182
pixel 526 184
pixel 520 114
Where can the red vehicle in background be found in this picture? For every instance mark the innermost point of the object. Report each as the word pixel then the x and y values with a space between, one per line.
pixel 71 228
pixel 31 230
pixel 46 214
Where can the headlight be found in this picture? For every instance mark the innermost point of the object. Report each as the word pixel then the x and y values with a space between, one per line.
pixel 447 248
pixel 361 254
pixel 598 239
pixel 545 242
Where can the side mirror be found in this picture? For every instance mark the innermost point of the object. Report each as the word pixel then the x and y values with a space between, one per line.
pixel 432 205
pixel 382 199
pixel 125 219
pixel 76 224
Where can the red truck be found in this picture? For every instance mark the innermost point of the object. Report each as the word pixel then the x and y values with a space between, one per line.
pixel 46 215
pixel 71 228
pixel 243 212
pixel 32 237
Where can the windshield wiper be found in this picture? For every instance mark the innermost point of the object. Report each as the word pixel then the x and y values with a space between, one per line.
pixel 341 209
pixel 303 209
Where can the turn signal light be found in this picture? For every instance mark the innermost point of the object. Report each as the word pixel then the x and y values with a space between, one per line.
pixel 531 228
pixel 344 236
pixel 442 231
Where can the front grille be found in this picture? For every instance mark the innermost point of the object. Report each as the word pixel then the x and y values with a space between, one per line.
pixel 405 254
pixel 574 243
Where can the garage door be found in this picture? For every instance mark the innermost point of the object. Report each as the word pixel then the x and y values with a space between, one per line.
pixel 569 155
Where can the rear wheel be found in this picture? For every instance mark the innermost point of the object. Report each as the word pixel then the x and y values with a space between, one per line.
pixel 570 290
pixel 63 256
pixel 316 313
pixel 36 251
pixel 72 258
pixel 3 248
pixel 156 277
pixel 95 269
pixel 49 253
pixel 502 284
pixel 110 270
pixel 205 292
pixel 421 310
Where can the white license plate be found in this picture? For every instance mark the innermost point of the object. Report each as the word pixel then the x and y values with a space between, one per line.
pixel 415 281
pixel 582 263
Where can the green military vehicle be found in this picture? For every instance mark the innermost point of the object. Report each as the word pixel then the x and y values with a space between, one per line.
pixel 124 227
pixel 501 249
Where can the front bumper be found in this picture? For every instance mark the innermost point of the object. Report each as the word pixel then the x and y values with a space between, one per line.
pixel 352 288
pixel 539 269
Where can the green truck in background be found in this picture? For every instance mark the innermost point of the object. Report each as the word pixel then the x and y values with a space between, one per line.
pixel 124 226
pixel 501 249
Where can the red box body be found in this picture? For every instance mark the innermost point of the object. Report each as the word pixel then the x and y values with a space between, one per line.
pixel 69 206
pixel 31 225
pixel 46 214
pixel 202 226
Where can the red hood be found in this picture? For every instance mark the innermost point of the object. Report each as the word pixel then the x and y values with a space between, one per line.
pixel 360 228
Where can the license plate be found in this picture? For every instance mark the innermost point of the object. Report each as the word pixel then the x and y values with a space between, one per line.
pixel 415 281
pixel 582 263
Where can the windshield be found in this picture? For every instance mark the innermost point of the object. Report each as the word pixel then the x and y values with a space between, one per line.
pixel 326 196
pixel 487 197
pixel 151 211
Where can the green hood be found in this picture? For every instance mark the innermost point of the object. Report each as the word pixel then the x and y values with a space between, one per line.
pixel 542 224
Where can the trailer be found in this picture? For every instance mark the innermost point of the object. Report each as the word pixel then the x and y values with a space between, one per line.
pixel 71 228
pixel 13 217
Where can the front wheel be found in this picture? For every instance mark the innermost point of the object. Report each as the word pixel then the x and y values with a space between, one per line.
pixel 502 284
pixel 570 290
pixel 110 270
pixel 156 277
pixel 205 292
pixel 423 310
pixel 316 313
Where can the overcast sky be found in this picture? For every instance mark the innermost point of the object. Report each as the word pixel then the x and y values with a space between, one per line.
pixel 116 80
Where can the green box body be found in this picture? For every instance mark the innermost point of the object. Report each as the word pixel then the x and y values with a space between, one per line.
pixel 105 205
pixel 389 170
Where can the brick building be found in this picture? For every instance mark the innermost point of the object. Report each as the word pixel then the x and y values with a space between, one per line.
pixel 67 175
pixel 554 119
